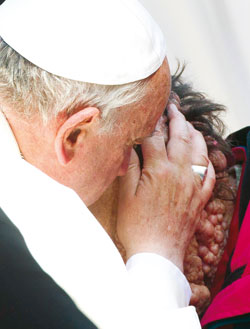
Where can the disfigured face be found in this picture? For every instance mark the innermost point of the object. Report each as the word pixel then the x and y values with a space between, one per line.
pixel 207 246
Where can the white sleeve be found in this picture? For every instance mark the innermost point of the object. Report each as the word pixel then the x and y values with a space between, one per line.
pixel 72 247
pixel 162 292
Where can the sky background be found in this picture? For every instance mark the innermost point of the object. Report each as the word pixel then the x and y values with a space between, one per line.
pixel 212 38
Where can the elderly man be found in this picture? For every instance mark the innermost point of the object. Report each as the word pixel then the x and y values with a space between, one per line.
pixel 70 117
pixel 216 262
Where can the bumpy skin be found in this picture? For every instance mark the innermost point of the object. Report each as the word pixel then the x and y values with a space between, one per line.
pixel 207 246
pixel 206 249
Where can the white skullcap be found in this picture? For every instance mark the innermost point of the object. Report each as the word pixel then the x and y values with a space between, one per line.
pixel 99 41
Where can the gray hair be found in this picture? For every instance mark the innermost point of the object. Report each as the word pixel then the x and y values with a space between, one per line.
pixel 28 89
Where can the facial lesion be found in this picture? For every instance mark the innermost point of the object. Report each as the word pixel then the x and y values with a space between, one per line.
pixel 207 246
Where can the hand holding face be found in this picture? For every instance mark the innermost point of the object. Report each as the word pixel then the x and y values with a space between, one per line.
pixel 159 206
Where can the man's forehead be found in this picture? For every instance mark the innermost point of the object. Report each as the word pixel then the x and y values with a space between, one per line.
pixel 105 42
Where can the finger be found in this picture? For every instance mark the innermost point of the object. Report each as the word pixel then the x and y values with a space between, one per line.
pixel 179 143
pixel 208 183
pixel 199 147
pixel 198 180
pixel 128 183
pixel 174 98
pixel 154 151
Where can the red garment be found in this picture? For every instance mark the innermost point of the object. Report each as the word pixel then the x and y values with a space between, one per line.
pixel 234 299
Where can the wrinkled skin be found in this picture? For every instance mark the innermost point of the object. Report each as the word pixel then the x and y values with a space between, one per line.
pixel 206 248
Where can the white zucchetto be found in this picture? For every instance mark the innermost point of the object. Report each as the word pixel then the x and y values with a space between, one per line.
pixel 98 41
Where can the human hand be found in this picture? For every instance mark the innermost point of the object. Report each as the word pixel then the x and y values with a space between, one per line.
pixel 159 206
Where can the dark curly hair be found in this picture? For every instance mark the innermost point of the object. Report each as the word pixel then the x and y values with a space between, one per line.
pixel 201 112
pixel 204 115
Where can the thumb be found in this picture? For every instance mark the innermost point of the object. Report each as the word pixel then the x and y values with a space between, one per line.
pixel 129 182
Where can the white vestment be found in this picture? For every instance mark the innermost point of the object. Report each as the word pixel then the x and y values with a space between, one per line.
pixel 73 248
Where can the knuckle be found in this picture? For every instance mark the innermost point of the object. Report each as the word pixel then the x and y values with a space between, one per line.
pixel 200 160
pixel 204 159
pixel 185 140
pixel 162 170
pixel 159 171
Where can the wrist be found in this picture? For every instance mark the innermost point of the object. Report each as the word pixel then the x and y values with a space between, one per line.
pixel 171 254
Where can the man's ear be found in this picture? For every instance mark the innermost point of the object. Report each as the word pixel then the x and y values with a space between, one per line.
pixel 71 130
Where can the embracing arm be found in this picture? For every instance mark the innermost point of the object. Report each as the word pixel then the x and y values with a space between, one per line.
pixel 158 212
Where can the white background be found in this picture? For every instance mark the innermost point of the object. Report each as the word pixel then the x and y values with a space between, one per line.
pixel 213 38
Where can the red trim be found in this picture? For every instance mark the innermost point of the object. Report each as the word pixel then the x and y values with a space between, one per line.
pixel 241 254
pixel 240 156
pixel 232 301
pixel 226 303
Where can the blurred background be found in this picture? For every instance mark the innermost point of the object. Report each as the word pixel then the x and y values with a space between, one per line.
pixel 213 38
